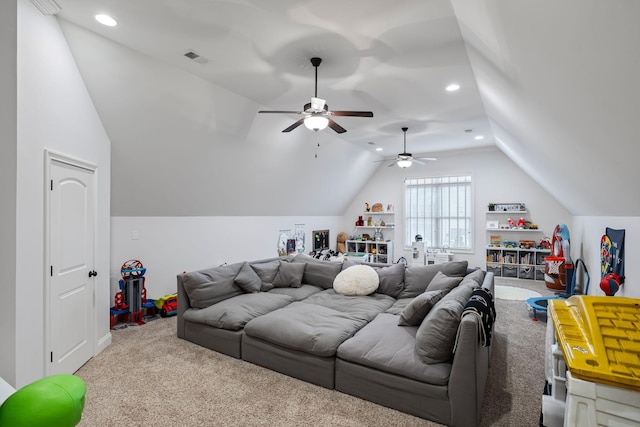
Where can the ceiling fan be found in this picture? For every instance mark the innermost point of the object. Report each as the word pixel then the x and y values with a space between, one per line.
pixel 317 115
pixel 404 159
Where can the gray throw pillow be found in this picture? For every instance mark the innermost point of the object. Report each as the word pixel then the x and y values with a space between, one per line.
pixel 391 279
pixel 267 272
pixel 289 275
pixel 319 273
pixel 436 335
pixel 474 279
pixel 416 278
pixel 210 286
pixel 247 279
pixel 443 282
pixel 415 312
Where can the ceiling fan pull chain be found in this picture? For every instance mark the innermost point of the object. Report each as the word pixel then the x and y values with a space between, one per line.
pixel 317 144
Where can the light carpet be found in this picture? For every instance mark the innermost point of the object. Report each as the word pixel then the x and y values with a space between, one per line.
pixel 514 293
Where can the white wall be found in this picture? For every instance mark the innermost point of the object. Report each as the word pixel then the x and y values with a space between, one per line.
pixel 8 82
pixel 585 243
pixel 54 112
pixel 167 246
pixel 495 179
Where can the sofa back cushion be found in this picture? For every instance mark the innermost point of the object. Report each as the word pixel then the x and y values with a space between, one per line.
pixel 391 279
pixel 442 282
pixel 207 287
pixel 417 278
pixel 319 273
pixel 436 335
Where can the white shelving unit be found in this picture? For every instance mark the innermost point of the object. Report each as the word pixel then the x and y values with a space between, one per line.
pixel 373 250
pixel 510 260
pixel 370 251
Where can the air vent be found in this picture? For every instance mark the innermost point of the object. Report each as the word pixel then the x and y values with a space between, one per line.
pixel 47 7
pixel 196 57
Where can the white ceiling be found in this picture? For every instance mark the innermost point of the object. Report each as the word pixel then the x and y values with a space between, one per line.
pixel 552 84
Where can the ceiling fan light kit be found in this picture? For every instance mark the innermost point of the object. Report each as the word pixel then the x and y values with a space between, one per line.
pixel 404 163
pixel 317 115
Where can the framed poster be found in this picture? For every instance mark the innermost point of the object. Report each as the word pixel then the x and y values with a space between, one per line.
pixel 320 240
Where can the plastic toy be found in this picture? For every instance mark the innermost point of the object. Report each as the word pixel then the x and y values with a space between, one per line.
pixel 130 301
pixel 559 266
pixel 612 261
pixel 167 305
pixel 55 401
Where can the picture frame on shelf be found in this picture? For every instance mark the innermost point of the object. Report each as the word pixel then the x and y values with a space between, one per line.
pixel 492 224
pixel 509 207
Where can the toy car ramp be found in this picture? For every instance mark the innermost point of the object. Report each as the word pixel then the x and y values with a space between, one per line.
pixel 600 338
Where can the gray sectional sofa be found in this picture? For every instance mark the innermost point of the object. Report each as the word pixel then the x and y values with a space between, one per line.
pixel 410 345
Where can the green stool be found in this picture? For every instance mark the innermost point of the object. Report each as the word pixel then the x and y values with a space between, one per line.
pixel 55 401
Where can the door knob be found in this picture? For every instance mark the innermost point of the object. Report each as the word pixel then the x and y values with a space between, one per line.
pixel 93 273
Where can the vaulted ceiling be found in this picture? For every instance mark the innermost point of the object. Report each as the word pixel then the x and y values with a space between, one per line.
pixel 550 83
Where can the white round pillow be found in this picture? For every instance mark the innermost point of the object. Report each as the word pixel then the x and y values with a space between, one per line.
pixel 356 280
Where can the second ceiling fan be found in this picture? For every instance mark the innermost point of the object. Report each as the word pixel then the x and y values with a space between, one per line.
pixel 317 115
pixel 404 159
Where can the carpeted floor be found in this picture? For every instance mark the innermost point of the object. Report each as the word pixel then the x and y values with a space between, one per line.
pixel 150 377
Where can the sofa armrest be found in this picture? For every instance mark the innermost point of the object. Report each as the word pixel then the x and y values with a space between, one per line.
pixel 183 305
pixel 470 369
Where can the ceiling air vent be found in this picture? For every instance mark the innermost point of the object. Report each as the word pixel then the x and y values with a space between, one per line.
pixel 47 7
pixel 194 56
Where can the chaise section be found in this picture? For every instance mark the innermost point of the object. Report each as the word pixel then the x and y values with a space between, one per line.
pixel 307 334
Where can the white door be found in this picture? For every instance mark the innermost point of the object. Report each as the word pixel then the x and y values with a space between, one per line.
pixel 71 232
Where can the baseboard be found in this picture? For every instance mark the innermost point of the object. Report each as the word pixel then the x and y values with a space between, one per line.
pixel 103 343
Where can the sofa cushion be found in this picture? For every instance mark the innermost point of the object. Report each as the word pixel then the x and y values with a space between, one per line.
pixel 297 294
pixel 415 312
pixel 319 273
pixel 356 280
pixel 247 279
pixel 443 282
pixel 207 287
pixel 309 328
pixel 267 272
pixel 398 306
pixel 289 275
pixel 416 278
pixel 436 336
pixel 474 279
pixel 233 313
pixel 387 347
pixel 391 279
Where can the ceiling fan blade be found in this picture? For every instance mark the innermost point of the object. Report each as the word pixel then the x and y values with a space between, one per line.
pixel 418 162
pixel 280 112
pixel 295 125
pixel 352 113
pixel 427 159
pixel 333 125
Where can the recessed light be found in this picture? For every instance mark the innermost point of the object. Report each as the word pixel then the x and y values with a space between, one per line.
pixel 106 20
pixel 478 137
pixel 453 87
pixel 379 149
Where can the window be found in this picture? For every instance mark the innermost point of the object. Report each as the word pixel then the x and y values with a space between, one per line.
pixel 439 209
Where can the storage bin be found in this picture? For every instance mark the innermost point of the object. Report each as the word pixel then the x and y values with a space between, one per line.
pixel 526 272
pixel 540 273
pixel 509 271
pixel 495 269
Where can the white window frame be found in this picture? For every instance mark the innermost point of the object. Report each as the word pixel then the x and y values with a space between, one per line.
pixel 429 224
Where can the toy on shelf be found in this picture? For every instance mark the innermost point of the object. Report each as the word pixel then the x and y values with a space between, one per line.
pixel 130 301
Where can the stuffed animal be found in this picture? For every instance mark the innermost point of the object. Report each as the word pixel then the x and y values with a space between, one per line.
pixel 341 246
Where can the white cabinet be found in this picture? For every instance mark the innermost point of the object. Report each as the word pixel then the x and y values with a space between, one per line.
pixel 370 251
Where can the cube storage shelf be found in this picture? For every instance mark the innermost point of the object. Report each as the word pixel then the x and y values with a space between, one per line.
pixel 370 251
pixel 518 263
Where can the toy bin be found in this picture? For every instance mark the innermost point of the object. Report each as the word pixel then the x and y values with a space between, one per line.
pixel 509 271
